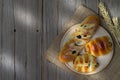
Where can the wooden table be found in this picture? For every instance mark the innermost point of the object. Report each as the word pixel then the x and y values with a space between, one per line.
pixel 28 27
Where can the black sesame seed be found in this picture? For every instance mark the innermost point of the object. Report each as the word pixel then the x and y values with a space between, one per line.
pixel 79 36
pixel 85 35
pixel 85 26
pixel 73 52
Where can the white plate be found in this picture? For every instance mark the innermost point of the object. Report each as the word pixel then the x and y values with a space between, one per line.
pixel 102 60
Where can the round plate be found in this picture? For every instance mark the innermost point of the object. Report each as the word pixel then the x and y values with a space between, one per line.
pixel 102 60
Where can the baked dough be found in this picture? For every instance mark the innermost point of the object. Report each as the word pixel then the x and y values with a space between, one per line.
pixel 79 38
pixel 99 46
pixel 85 63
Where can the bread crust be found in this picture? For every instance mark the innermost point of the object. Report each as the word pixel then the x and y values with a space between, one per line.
pixel 85 63
pixel 81 36
pixel 99 46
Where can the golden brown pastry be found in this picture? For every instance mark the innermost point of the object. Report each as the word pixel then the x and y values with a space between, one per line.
pixel 99 46
pixel 71 50
pixel 79 38
pixel 85 63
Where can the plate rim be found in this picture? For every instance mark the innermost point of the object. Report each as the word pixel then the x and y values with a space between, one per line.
pixel 91 38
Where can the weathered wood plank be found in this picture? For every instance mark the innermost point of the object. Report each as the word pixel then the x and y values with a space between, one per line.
pixel 20 39
pixel 92 4
pixel 31 20
pixel 50 16
pixel 28 36
pixel 7 37
pixel 39 37
pixel 1 8
pixel 113 6
pixel 65 9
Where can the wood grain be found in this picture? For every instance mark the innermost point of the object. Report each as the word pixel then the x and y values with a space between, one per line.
pixel 50 26
pixel 92 4
pixel 28 39
pixel 1 6
pixel 39 38
pixel 20 39
pixel 27 29
pixel 7 37
pixel 31 20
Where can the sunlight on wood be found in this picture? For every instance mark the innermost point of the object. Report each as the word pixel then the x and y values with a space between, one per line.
pixel 8 63
pixel 24 17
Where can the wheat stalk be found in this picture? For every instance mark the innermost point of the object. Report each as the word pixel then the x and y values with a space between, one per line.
pixel 116 26
pixel 112 24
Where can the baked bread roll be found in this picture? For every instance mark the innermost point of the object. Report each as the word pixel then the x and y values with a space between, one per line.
pixel 99 46
pixel 71 50
pixel 84 31
pixel 85 63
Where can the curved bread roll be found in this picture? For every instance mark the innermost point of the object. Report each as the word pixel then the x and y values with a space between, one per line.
pixel 85 63
pixel 99 46
pixel 79 38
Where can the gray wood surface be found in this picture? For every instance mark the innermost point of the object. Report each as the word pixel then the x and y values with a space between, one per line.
pixel 7 40
pixel 0 39
pixel 28 27
pixel 20 39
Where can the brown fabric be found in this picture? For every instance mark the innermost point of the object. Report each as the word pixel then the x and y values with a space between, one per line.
pixel 52 53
